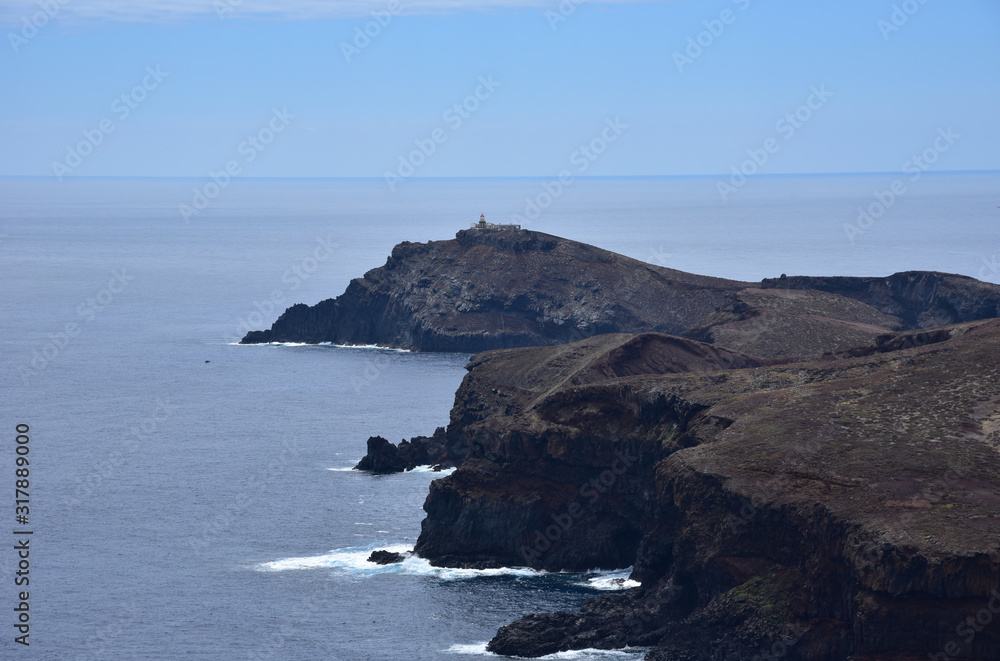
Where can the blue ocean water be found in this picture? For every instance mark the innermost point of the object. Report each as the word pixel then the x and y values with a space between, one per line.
pixel 191 499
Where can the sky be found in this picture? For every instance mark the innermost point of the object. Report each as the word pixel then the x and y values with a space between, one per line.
pixel 493 88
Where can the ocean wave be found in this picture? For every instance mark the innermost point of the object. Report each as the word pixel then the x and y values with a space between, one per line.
pixel 272 344
pixel 430 469
pixel 418 469
pixel 368 347
pixel 372 347
pixel 617 579
pixel 353 561
pixel 479 649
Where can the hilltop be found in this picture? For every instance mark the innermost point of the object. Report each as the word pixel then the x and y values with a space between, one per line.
pixel 488 289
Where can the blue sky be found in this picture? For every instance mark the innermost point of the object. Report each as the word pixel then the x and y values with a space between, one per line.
pixel 558 79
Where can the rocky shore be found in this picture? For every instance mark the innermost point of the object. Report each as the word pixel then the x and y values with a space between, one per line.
pixel 511 288
pixel 486 290
pixel 805 468
pixel 844 507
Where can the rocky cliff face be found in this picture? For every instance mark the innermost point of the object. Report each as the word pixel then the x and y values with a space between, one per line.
pixel 489 289
pixel 840 508
pixel 493 289
pixel 921 299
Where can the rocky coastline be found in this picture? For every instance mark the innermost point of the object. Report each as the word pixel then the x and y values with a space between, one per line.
pixel 803 468
pixel 835 509
pixel 499 289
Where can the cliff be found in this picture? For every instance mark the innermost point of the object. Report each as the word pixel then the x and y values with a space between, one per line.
pixel 490 289
pixel 844 507
pixel 495 289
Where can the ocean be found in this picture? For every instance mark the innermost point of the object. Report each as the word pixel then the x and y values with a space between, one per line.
pixel 192 498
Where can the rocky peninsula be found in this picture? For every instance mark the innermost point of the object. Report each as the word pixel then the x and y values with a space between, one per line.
pixel 843 507
pixel 805 468
pixel 510 288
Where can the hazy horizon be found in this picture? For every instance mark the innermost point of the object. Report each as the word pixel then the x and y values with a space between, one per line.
pixel 497 88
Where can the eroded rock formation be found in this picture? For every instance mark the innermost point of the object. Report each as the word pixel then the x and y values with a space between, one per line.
pixel 843 507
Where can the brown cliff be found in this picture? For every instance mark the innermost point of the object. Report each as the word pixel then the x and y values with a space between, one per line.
pixel 847 507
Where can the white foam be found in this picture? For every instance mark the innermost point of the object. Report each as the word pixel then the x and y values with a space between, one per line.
pixel 479 649
pixel 270 344
pixel 474 648
pixel 418 469
pixel 627 653
pixel 371 347
pixel 430 469
pixel 368 347
pixel 354 561
pixel 611 580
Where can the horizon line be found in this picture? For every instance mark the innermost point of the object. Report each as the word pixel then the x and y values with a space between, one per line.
pixel 524 177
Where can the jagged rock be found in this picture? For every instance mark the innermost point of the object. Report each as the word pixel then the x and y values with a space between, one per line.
pixel 845 507
pixel 383 557
pixel 384 457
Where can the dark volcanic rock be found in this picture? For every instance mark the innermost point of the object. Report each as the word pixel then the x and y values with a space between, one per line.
pixel 842 508
pixel 492 289
pixel 384 457
pixel 921 299
pixel 495 289
pixel 383 557
pixel 499 508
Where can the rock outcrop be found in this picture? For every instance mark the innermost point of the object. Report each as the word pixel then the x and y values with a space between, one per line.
pixel 490 289
pixel 921 299
pixel 384 457
pixel 843 507
pixel 512 288
pixel 384 557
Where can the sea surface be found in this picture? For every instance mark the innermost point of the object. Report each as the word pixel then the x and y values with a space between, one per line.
pixel 193 499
